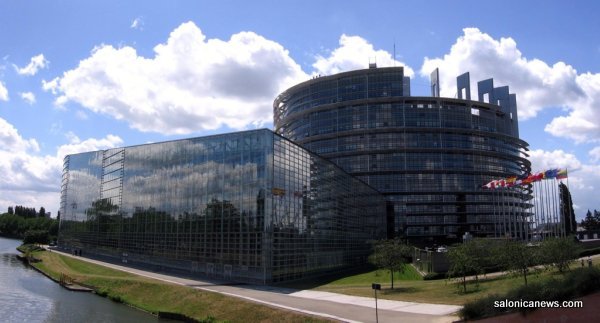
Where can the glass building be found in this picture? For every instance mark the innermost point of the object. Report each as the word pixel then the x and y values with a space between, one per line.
pixel 428 155
pixel 249 206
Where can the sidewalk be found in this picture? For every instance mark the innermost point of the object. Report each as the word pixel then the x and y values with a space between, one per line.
pixel 325 304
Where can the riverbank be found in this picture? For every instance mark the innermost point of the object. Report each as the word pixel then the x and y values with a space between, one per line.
pixel 160 297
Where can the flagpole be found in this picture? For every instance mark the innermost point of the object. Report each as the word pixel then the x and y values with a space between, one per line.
pixel 542 209
pixel 494 215
pixel 535 209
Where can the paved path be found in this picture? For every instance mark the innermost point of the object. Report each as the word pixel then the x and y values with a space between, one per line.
pixel 330 305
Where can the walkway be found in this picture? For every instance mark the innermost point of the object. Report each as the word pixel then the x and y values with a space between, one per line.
pixel 330 305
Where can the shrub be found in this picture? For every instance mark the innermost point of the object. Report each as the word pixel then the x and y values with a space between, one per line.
pixel 36 236
pixel 577 283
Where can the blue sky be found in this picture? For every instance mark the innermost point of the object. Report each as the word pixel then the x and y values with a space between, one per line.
pixel 85 76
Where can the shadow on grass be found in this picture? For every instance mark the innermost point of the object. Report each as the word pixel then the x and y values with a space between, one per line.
pixel 399 290
pixel 312 282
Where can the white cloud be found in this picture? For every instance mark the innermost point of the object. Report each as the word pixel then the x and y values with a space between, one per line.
pixel 28 97
pixel 595 154
pixel 11 140
pixel 32 179
pixel 137 23
pixel 191 84
pixel 51 86
pixel 537 84
pixel 3 92
pixel 355 53
pixel 76 145
pixel 36 63
pixel 583 122
pixel 582 180
pixel 542 160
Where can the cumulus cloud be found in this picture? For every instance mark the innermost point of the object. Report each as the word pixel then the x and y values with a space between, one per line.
pixel 543 160
pixel 30 178
pixel 191 84
pixel 28 97
pixel 36 63
pixel 595 154
pixel 355 53
pixel 77 145
pixel 11 140
pixel 537 84
pixel 3 92
pixel 583 178
pixel 582 124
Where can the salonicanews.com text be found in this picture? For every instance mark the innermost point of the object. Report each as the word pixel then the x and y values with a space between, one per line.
pixel 537 304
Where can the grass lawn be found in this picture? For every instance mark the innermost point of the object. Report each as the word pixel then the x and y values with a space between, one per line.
pixel 154 296
pixel 409 286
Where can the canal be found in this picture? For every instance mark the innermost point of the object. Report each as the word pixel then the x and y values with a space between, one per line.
pixel 28 296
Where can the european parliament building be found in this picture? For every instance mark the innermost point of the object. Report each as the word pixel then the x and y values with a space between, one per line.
pixel 428 156
pixel 354 158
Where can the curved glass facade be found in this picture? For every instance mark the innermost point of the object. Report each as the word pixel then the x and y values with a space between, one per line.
pixel 428 155
pixel 249 206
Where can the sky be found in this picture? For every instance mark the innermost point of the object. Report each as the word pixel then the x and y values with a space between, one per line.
pixel 80 76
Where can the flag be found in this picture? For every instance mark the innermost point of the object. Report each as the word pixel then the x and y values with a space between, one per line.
pixel 561 174
pixel 538 177
pixel 491 185
pixel 511 181
pixel 551 173
pixel 527 180
pixel 499 183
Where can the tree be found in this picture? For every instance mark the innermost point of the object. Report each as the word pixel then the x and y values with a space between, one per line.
pixel 36 236
pixel 567 212
pixel 462 262
pixel 391 255
pixel 517 257
pixel 559 252
pixel 42 213
pixel 10 210
pixel 591 222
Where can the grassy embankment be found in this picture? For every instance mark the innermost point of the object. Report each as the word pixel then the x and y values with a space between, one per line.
pixel 154 295
pixel 409 286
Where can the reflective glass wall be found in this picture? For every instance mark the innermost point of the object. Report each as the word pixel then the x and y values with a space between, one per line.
pixel 243 206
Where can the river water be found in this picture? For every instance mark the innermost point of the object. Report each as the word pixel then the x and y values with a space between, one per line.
pixel 28 296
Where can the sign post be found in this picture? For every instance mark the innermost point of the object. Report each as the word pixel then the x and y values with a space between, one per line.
pixel 375 288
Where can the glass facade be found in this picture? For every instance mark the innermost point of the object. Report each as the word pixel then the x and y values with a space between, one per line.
pixel 249 206
pixel 428 155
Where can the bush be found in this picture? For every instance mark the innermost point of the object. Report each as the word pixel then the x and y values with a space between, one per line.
pixel 577 283
pixel 36 236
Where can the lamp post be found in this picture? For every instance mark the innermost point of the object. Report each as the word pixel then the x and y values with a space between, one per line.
pixel 375 288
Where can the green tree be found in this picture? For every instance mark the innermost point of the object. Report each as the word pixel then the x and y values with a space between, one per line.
pixel 517 257
pixel 462 262
pixel 10 210
pixel 590 222
pixel 391 255
pixel 474 257
pixel 42 213
pixel 36 236
pixel 567 212
pixel 559 252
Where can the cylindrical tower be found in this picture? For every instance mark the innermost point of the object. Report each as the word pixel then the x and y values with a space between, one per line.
pixel 428 155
